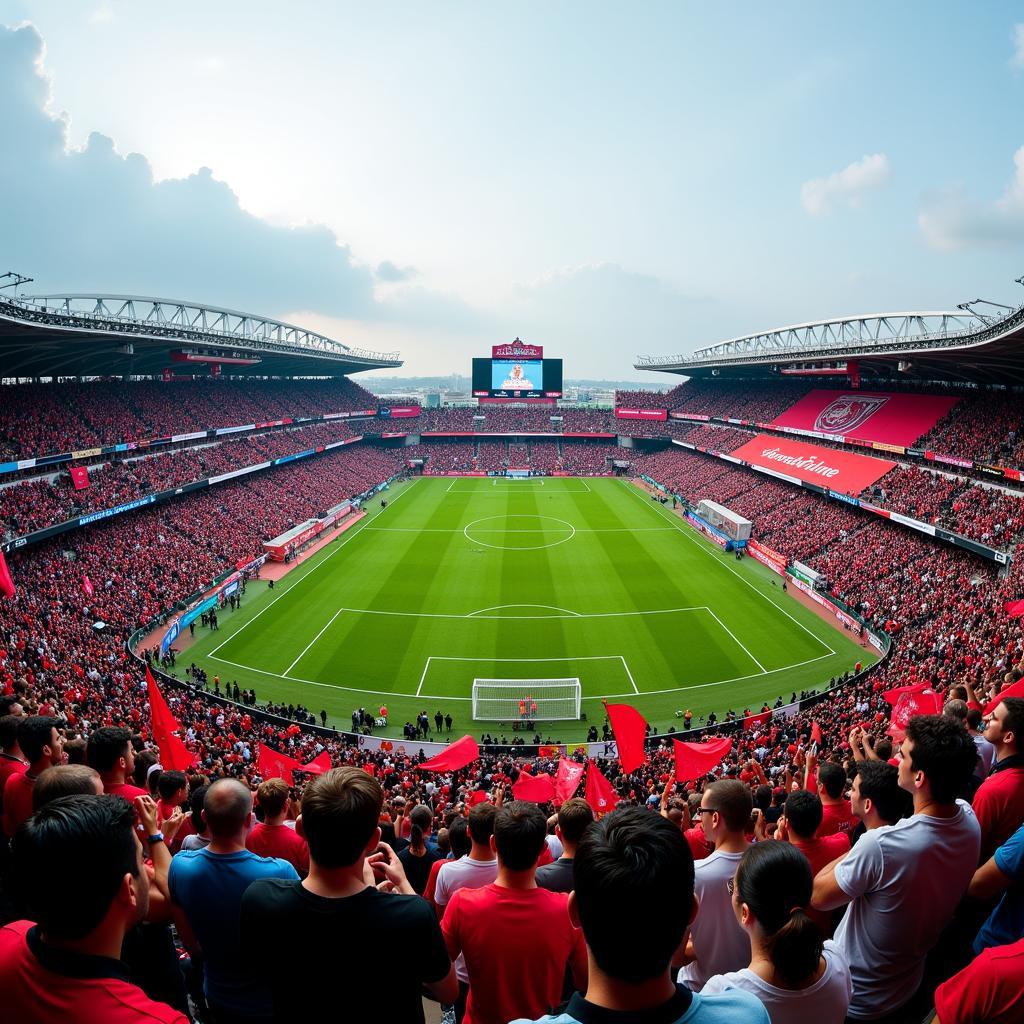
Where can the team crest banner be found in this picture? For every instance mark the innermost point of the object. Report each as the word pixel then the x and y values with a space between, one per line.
pixel 871 416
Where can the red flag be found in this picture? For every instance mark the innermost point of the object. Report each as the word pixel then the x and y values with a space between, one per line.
pixel 815 733
pixel 80 477
pixel 567 779
pixel 696 759
pixel 910 701
pixel 272 765
pixel 753 721
pixel 6 583
pixel 478 796
pixel 318 765
pixel 598 791
pixel 893 696
pixel 457 755
pixel 1016 690
pixel 537 789
pixel 1015 609
pixel 87 586
pixel 630 728
pixel 174 755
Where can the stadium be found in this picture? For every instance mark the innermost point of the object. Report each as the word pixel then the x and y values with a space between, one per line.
pixel 513 692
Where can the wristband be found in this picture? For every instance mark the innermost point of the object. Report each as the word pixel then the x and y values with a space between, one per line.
pixel 156 837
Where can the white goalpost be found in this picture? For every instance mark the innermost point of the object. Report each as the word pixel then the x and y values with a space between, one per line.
pixel 526 700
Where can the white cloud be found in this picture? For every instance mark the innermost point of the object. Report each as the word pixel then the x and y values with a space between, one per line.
pixel 102 14
pixel 1018 45
pixel 952 220
pixel 846 186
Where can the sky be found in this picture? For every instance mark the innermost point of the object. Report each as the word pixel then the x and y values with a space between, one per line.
pixel 605 180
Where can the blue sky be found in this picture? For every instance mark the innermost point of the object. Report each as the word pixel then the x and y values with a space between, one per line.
pixel 603 179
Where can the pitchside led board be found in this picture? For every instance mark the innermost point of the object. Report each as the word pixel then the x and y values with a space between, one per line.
pixel 517 370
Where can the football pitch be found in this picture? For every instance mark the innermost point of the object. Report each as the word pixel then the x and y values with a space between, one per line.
pixel 465 578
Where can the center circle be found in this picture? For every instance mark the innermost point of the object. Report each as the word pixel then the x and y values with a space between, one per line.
pixel 517 528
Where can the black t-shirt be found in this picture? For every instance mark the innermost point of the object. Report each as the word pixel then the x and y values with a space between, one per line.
pixel 556 876
pixel 320 955
pixel 417 869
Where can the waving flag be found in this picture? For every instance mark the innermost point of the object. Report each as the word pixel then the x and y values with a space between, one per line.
pixel 630 728
pixel 87 586
pixel 696 759
pixel 6 583
pixel 567 779
pixel 174 755
pixel 537 789
pixel 908 701
pixel 457 755
pixel 318 765
pixel 752 722
pixel 272 765
pixel 1015 609
pixel 598 791
pixel 1016 690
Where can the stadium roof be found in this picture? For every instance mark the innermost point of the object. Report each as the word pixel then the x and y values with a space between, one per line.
pixel 101 335
pixel 963 346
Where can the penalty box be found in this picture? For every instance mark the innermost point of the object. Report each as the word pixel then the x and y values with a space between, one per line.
pixel 598 673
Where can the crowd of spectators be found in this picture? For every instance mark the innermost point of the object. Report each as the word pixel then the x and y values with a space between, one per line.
pixel 38 419
pixel 511 419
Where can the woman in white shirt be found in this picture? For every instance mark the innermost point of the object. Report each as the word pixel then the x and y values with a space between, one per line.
pixel 797 976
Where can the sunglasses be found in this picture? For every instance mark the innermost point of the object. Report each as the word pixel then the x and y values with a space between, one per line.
pixel 707 810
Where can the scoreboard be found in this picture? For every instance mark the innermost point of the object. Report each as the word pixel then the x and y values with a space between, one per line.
pixel 517 370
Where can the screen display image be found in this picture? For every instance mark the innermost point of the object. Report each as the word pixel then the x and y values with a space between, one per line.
pixel 509 375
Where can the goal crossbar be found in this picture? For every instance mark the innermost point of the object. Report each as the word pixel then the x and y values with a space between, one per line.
pixel 526 700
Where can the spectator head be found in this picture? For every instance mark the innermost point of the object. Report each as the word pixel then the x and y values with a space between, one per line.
pixel 340 811
pixel 763 797
pixel 10 705
pixel 421 819
pixel 65 780
pixel 974 719
pixel 803 813
pixel 226 809
pixel 481 823
pixel 173 788
pixel 74 750
pixel 145 770
pixel 877 798
pixel 958 692
pixel 110 752
pixel 520 832
pixel 1004 729
pixel 725 808
pixel 938 759
pixel 272 798
pixel 458 838
pixel 96 834
pixel 831 780
pixel 40 741
pixel 574 816
pixel 9 733
pixel 633 875
pixel 195 807
pixel 883 748
pixel 770 896
pixel 956 709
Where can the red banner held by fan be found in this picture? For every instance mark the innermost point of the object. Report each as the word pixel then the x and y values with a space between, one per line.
pixel 537 789
pixel 567 779
pixel 694 760
pixel 630 728
pixel 598 791
pixel 79 477
pixel 457 755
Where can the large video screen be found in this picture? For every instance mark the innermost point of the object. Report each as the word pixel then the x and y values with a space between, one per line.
pixel 517 378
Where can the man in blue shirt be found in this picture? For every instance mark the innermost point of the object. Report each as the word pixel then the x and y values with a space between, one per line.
pixel 634 900
pixel 206 888
pixel 1002 873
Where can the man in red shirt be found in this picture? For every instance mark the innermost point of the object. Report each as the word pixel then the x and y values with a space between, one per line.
pixel 837 814
pixel 517 939
pixel 110 752
pixel 272 837
pixel 66 968
pixel 12 760
pixel 43 747
pixel 986 991
pixel 999 801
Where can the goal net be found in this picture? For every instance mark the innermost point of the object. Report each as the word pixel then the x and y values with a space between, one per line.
pixel 526 700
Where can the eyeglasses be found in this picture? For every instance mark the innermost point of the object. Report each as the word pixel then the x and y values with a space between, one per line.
pixel 707 810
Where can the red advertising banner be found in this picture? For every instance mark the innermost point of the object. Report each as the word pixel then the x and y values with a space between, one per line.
pixel 767 556
pixel 871 415
pixel 79 477
pixel 641 414
pixel 398 412
pixel 838 470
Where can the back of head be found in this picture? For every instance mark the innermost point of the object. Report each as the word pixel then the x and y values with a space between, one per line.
pixel 9 731
pixel 520 832
pixel 732 799
pixel 226 808
pixel 94 834
pixel 65 780
pixel 141 774
pixel 340 811
pixel 106 747
pixel 272 796
pixel 633 876
pixel 196 800
pixel 458 838
pixel 763 797
pixel 774 880
pixel 34 733
pixel 420 819
pixel 942 749
pixel 957 709
pixel 974 717
pixel 481 822
pixel 574 816
pixel 171 782
pixel 804 813
pixel 879 781
pixel 832 779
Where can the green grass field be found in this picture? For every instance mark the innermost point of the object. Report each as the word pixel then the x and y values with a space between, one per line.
pixel 461 578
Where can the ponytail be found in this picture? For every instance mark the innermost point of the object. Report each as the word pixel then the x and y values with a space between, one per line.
pixel 774 880
pixel 420 820
pixel 415 836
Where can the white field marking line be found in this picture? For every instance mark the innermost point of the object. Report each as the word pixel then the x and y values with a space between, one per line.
pixel 397 693
pixel 497 607
pixel 687 532
pixel 354 532
pixel 736 641
pixel 629 674
pixel 516 618
pixel 579 529
pixel 590 657
pixel 313 641
pixel 502 530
